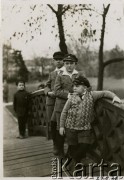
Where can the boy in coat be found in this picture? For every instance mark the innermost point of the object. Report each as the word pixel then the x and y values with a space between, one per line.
pixel 77 116
pixel 50 97
pixel 64 86
pixel 20 105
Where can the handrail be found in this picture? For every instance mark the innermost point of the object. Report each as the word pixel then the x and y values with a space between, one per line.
pixel 41 91
pixel 116 104
pixel 109 130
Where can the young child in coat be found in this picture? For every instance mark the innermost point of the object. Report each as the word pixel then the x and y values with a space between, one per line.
pixel 20 105
pixel 77 115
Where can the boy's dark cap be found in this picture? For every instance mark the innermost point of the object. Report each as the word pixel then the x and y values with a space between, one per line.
pixel 70 57
pixel 81 80
pixel 58 55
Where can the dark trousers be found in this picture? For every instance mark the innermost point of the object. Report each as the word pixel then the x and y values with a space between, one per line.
pixel 49 110
pixel 78 152
pixel 54 132
pixel 58 140
pixel 22 125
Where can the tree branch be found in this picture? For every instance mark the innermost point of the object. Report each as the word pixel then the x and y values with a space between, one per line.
pixel 65 9
pixel 115 60
pixel 51 8
pixel 106 9
pixel 90 9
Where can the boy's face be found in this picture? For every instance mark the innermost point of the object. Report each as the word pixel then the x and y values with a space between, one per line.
pixel 21 86
pixel 70 66
pixel 79 89
pixel 58 63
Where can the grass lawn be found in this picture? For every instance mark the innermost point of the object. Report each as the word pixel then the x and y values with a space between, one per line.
pixel 115 85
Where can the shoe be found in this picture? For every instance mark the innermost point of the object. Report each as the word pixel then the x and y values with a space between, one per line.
pixel 20 137
pixel 55 150
pixel 25 136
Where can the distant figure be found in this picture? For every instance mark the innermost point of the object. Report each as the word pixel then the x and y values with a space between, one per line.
pixel 20 105
pixel 77 116
pixel 5 91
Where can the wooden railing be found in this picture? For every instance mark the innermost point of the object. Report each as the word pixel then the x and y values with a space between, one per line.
pixel 38 122
pixel 108 126
pixel 109 130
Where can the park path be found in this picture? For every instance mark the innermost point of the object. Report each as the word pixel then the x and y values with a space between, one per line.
pixel 30 157
pixel 10 129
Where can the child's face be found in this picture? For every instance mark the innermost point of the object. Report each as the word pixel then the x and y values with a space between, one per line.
pixel 58 63
pixel 21 86
pixel 70 66
pixel 79 89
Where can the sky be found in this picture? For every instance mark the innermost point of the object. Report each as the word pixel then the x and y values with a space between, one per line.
pixel 15 13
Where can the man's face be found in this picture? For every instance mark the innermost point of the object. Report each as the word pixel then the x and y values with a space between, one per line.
pixel 70 66
pixel 21 86
pixel 58 63
pixel 79 89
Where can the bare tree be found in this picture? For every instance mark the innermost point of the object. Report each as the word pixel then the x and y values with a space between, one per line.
pixel 101 63
pixel 59 13
pixel 101 66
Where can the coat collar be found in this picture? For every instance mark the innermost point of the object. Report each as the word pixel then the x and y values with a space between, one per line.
pixel 56 70
pixel 66 73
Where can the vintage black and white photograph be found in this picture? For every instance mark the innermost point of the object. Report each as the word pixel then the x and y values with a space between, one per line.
pixel 63 88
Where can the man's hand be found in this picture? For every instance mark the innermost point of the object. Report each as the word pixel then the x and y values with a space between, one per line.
pixel 51 94
pixel 116 99
pixel 62 131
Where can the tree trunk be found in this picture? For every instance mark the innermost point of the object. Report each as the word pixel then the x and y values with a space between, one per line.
pixel 100 71
pixel 62 44
pixel 100 77
pixel 101 63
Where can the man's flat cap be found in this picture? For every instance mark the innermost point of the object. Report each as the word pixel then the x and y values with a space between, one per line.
pixel 58 55
pixel 70 57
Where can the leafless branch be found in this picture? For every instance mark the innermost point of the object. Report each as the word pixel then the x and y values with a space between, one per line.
pixel 106 9
pixel 51 8
pixel 90 9
pixel 115 60
pixel 65 9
